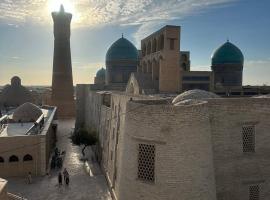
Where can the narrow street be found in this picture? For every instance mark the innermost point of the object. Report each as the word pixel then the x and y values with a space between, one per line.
pixel 86 180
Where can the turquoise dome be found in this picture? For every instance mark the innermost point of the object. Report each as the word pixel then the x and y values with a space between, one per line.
pixel 228 53
pixel 122 49
pixel 101 73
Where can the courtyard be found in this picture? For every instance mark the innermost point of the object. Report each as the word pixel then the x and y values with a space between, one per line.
pixel 86 179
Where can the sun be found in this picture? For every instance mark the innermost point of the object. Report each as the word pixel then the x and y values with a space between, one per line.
pixel 54 5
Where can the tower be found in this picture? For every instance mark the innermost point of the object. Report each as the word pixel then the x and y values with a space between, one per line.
pixel 62 81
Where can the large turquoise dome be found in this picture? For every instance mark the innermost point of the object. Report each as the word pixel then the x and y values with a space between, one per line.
pixel 122 49
pixel 228 53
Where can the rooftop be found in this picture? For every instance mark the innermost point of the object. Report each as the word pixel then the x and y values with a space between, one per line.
pixel 11 129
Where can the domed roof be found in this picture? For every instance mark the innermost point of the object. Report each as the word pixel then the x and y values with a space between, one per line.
pixel 194 95
pixel 122 49
pixel 227 53
pixel 15 94
pixel 27 112
pixel 15 81
pixel 101 73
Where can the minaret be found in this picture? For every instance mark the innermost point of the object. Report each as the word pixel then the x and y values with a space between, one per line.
pixel 62 81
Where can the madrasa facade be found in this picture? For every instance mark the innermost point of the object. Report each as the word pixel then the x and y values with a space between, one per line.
pixel 166 132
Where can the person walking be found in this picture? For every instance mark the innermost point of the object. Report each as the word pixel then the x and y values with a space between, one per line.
pixel 29 178
pixel 66 176
pixel 60 178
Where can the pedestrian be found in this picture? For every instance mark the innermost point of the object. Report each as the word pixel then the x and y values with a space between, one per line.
pixel 66 176
pixel 60 178
pixel 29 178
pixel 56 152
pixel 67 179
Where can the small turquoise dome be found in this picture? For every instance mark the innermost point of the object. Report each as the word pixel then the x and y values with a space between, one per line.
pixel 122 49
pixel 228 53
pixel 101 73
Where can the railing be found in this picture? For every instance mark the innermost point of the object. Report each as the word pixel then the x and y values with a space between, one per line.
pixel 3 125
pixel 37 126
pixel 15 197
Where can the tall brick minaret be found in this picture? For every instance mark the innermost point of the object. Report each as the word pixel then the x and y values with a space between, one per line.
pixel 62 81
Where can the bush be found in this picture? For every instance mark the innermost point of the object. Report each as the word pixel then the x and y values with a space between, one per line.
pixel 84 137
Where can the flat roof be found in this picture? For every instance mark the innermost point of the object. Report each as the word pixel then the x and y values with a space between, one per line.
pixel 20 129
pixel 16 129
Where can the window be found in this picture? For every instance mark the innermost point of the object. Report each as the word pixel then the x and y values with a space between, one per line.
pixel 115 110
pixel 161 42
pixel 2 160
pixel 196 78
pixel 27 158
pixel 13 159
pixel 113 133
pixel 146 162
pixel 254 192
pixel 184 57
pixel 111 155
pixel 248 134
pixel 171 44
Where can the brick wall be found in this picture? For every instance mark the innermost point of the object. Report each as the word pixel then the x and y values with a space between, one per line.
pixel 184 162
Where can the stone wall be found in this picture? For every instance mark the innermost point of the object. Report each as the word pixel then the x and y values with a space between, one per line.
pixel 37 146
pixel 236 171
pixel 198 147
pixel 183 157
pixel 20 146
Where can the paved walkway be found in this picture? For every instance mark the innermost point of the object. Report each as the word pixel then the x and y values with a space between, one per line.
pixel 86 180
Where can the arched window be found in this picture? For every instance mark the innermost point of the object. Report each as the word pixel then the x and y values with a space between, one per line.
pixel 13 158
pixel 154 46
pixel 184 66
pixel 2 160
pixel 144 50
pixel 161 42
pixel 184 56
pixel 27 158
pixel 149 47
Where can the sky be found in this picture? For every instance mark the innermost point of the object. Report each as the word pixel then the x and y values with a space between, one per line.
pixel 26 33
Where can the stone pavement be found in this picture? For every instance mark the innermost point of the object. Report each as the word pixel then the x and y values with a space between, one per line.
pixel 86 180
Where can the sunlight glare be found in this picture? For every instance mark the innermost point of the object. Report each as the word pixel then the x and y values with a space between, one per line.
pixel 54 5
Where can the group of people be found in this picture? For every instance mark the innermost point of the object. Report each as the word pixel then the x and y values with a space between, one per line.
pixel 66 177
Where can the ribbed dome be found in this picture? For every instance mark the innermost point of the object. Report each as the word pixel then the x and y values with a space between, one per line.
pixel 27 112
pixel 194 95
pixel 101 73
pixel 228 53
pixel 122 49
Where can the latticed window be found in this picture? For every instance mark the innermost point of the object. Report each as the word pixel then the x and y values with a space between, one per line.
pixel 146 162
pixel 248 133
pixel 254 192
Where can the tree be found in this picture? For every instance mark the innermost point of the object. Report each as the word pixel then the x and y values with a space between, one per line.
pixel 84 137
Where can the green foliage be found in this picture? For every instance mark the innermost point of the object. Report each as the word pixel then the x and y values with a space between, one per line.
pixel 84 137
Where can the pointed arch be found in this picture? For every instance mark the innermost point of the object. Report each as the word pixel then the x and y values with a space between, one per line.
pixel 27 157
pixel 13 158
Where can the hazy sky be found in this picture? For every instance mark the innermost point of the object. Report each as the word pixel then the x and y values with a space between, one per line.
pixel 26 39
